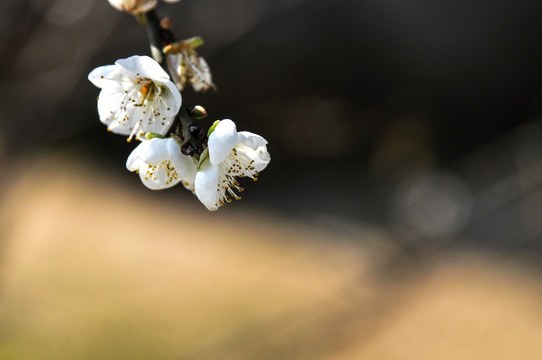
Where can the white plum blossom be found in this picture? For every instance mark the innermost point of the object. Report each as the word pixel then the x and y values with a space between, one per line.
pixel 137 97
pixel 136 6
pixel 186 66
pixel 161 164
pixel 231 154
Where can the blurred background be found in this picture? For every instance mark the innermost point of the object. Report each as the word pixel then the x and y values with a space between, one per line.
pixel 400 217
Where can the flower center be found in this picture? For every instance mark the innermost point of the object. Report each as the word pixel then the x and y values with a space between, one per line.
pixel 230 186
pixel 165 170
pixel 237 164
pixel 147 91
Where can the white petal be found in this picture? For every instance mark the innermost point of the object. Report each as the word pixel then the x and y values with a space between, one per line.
pixel 133 6
pixel 154 117
pixel 260 158
pixel 133 163
pixel 117 4
pixel 247 162
pixel 102 76
pixel 202 79
pixel 251 140
pixel 111 112
pixel 156 178
pixel 113 98
pixel 146 5
pixel 172 98
pixel 186 166
pixel 174 66
pixel 155 151
pixel 221 141
pixel 255 148
pixel 143 67
pixel 206 186
pixel 261 162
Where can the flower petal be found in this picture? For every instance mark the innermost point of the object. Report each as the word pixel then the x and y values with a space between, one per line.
pixel 254 141
pixel 222 141
pixel 156 150
pixel 207 188
pixel 202 79
pixel 186 166
pixel 101 76
pixel 143 67
pixel 111 111
pixel 254 146
pixel 171 97
pixel 133 6
pixel 133 163
pixel 157 177
pixel 174 66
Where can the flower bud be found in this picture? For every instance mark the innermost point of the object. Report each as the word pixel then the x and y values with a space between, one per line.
pixel 198 112
pixel 133 6
pixel 166 23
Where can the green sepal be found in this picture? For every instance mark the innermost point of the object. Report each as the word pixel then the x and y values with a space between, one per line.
pixel 151 135
pixel 212 128
pixel 194 42
pixel 187 44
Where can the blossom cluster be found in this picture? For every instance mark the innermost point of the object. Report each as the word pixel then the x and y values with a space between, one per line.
pixel 138 99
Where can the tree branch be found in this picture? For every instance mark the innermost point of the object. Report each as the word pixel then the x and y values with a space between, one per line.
pixel 184 125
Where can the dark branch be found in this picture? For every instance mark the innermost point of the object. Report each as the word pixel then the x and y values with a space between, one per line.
pixel 185 125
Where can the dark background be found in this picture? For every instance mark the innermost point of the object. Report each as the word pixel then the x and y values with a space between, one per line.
pixel 419 117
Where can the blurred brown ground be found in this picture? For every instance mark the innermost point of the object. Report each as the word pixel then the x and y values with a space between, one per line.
pixel 92 270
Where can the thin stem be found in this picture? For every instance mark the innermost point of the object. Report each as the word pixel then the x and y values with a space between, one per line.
pixel 192 133
pixel 154 32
